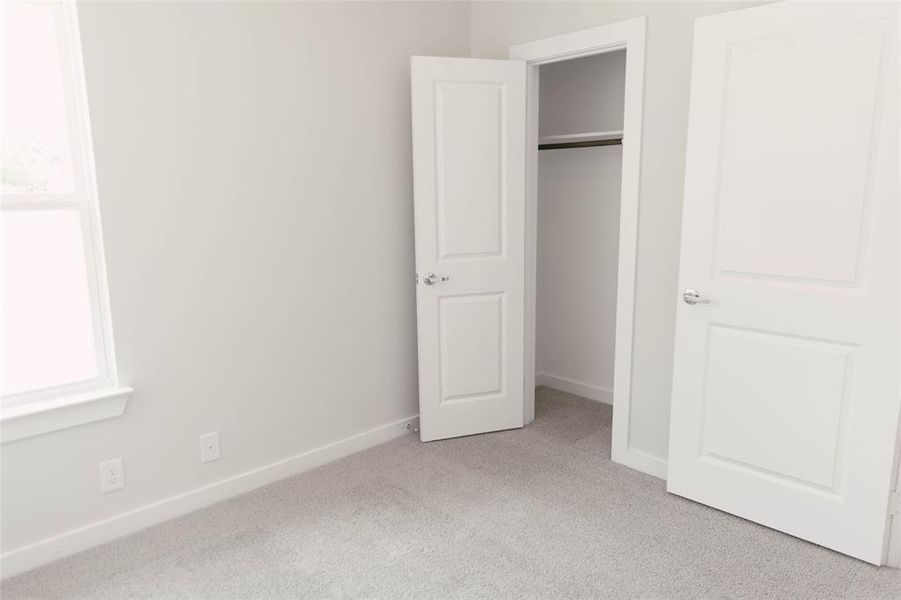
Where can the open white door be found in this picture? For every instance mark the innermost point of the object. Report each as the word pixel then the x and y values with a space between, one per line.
pixel 469 201
pixel 785 391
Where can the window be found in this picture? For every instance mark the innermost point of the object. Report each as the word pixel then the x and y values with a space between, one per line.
pixel 56 334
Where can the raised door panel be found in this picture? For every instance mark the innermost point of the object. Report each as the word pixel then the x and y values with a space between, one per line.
pixel 797 129
pixel 470 168
pixel 785 391
pixel 472 346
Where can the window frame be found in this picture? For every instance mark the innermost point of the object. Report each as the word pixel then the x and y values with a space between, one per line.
pixel 84 200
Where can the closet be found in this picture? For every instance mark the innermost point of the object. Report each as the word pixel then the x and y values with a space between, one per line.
pixel 579 176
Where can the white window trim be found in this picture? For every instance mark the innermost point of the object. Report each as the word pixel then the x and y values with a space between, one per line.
pixel 41 411
pixel 38 417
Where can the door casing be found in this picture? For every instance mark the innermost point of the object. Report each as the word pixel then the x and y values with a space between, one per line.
pixel 628 35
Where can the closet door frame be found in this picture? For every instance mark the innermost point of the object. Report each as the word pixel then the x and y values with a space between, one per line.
pixel 628 35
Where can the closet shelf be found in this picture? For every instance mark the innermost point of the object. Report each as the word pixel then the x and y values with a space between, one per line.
pixel 591 136
pixel 580 140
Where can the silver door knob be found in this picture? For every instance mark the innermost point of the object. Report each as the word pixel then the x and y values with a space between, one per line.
pixel 432 279
pixel 693 297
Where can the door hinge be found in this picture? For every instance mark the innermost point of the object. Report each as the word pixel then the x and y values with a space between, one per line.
pixel 417 278
pixel 894 503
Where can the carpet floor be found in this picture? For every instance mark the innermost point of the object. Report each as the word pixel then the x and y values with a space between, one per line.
pixel 539 512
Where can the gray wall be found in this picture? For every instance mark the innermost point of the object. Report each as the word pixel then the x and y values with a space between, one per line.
pixel 255 186
pixel 582 95
pixel 578 237
pixel 254 171
pixel 578 225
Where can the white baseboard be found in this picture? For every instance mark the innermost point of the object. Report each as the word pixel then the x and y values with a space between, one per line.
pixel 592 392
pixel 641 461
pixel 71 542
pixel 894 548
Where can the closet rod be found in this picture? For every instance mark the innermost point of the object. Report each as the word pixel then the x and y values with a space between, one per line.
pixel 588 144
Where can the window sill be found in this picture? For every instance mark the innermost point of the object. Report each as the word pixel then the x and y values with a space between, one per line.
pixel 36 418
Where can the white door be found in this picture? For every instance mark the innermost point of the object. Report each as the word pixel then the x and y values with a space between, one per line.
pixel 469 201
pixel 785 390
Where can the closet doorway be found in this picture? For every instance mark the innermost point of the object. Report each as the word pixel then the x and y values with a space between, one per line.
pixel 583 154
pixel 580 132
pixel 475 125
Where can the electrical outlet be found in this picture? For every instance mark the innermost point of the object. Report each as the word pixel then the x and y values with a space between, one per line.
pixel 209 447
pixel 112 475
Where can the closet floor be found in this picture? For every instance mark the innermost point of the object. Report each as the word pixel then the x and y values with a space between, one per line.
pixel 534 513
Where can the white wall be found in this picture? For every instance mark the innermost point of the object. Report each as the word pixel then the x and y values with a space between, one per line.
pixel 582 95
pixel 254 172
pixel 498 25
pixel 578 226
pixel 578 237
pixel 255 186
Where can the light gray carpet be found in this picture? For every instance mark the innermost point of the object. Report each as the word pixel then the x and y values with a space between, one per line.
pixel 533 513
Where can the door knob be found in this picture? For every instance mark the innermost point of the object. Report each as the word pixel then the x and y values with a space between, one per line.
pixel 432 279
pixel 693 297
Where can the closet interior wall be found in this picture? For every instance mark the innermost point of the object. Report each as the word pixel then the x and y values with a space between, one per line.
pixel 578 226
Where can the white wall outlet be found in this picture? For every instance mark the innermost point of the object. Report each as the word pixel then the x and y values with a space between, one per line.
pixel 112 475
pixel 209 446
